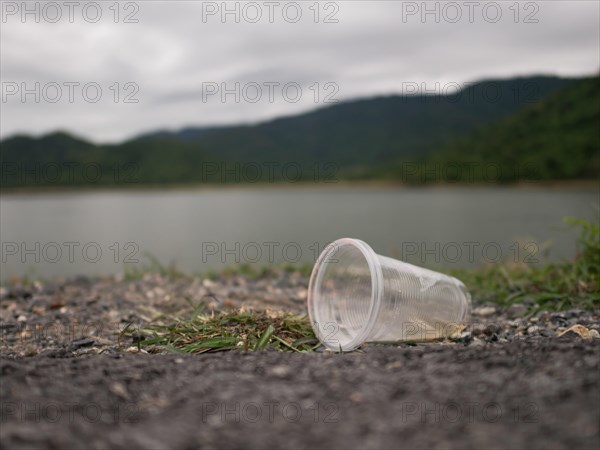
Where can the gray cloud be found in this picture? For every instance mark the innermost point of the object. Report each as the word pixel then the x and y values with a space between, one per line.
pixel 171 52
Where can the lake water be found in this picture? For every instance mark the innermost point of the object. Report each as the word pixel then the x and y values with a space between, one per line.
pixel 66 234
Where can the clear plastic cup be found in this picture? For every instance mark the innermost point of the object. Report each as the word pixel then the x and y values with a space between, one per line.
pixel 356 296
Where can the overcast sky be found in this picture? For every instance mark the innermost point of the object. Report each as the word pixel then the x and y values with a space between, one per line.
pixel 178 54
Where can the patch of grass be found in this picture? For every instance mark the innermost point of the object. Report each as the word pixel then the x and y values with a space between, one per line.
pixel 249 270
pixel 151 265
pixel 560 286
pixel 233 330
pixel 305 268
pixel 256 272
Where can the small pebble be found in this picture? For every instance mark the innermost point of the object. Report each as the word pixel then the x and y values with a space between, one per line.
pixel 79 343
pixel 484 311
pixel 280 371
pixel 356 397
pixel 476 342
pixel 516 310
pixel 491 329
pixel 119 390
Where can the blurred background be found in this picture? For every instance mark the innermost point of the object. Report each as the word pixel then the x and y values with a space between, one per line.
pixel 212 134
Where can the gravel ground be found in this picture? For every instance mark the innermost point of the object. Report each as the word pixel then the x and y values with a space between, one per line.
pixel 511 379
pixel 89 314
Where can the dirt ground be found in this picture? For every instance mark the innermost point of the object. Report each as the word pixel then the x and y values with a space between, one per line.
pixel 535 394
pixel 509 383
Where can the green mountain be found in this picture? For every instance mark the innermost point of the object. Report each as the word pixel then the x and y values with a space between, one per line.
pixel 366 132
pixel 546 120
pixel 59 159
pixel 557 138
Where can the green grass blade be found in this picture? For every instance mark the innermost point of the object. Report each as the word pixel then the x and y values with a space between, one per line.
pixel 264 339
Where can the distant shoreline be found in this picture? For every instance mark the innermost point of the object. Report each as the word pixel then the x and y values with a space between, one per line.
pixel 586 185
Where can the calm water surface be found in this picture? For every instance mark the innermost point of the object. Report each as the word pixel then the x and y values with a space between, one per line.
pixel 198 230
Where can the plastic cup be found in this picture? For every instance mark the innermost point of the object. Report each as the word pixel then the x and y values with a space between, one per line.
pixel 356 296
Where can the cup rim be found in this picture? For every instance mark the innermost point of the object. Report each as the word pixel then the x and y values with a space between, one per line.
pixel 316 279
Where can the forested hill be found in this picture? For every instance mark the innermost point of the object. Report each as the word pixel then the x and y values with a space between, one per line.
pixel 549 122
